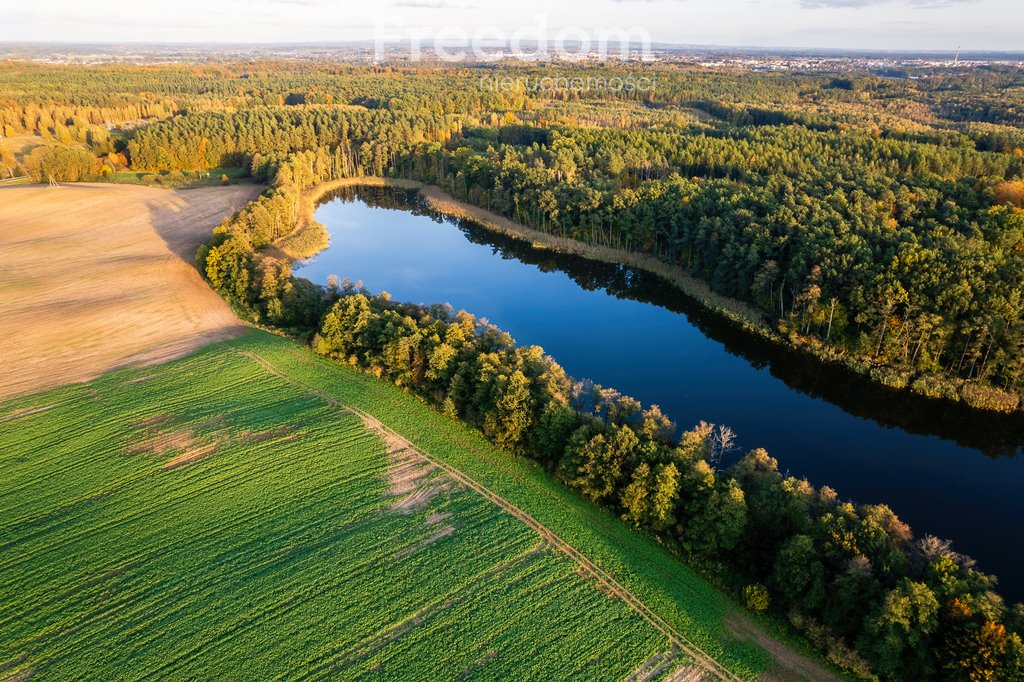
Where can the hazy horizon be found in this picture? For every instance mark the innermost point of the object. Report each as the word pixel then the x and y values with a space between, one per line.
pixel 890 25
pixel 658 45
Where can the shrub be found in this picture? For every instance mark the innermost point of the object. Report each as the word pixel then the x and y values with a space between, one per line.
pixel 888 376
pixel 755 597
pixel 989 398
pixel 932 386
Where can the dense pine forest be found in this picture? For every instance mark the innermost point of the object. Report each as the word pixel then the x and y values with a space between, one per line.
pixel 874 221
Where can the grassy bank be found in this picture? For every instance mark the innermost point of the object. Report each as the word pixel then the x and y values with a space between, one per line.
pixel 736 311
pixel 309 236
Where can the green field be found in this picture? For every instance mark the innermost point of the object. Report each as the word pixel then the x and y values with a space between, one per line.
pixel 190 179
pixel 217 517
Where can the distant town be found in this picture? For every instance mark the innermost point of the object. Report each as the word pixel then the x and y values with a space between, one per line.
pixel 886 63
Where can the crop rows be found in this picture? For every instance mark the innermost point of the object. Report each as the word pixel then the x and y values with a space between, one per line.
pixel 207 519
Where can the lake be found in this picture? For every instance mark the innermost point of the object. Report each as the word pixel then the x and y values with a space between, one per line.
pixel 942 469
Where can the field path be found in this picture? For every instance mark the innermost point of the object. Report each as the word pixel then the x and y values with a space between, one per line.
pixel 708 664
pixel 99 276
pixel 612 586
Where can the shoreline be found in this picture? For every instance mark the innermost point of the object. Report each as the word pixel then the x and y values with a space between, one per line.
pixel 310 237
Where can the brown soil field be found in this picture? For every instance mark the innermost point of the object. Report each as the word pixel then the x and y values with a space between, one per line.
pixel 94 277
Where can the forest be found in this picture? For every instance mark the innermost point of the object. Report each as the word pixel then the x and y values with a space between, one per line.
pixel 873 221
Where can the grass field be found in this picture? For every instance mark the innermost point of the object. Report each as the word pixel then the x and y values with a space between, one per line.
pixel 215 518
pixel 98 276
pixel 188 179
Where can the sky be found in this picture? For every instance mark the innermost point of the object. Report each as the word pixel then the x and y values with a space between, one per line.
pixel 866 24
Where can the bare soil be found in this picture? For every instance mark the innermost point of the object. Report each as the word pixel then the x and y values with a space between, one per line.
pixel 164 441
pixel 410 478
pixel 95 277
pixel 189 456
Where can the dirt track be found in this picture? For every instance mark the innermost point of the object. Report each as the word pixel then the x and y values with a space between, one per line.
pixel 94 277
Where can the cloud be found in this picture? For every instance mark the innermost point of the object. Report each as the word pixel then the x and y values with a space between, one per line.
pixel 272 3
pixel 856 4
pixel 431 4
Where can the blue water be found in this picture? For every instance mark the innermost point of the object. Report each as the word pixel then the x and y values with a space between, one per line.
pixel 927 462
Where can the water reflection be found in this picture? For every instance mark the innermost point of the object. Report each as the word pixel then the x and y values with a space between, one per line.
pixel 996 435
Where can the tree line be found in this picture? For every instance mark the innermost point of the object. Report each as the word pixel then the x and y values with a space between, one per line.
pixel 903 258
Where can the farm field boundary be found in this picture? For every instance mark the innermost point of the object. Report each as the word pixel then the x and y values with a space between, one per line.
pixel 677 595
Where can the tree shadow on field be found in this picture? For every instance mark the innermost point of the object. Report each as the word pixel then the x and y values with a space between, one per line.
pixel 186 220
